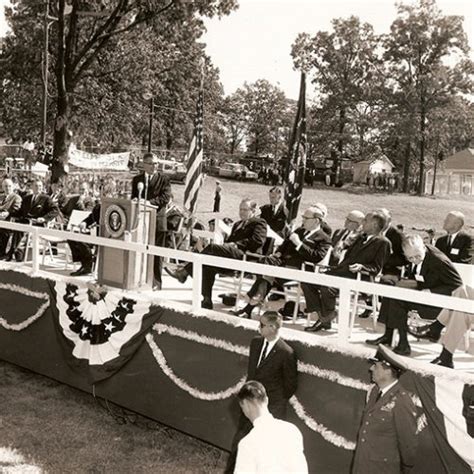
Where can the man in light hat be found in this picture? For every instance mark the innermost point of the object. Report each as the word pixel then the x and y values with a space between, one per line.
pixel 387 440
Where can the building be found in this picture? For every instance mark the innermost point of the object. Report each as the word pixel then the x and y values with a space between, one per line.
pixel 377 165
pixel 455 175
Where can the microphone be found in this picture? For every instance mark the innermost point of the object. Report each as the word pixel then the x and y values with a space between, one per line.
pixel 140 187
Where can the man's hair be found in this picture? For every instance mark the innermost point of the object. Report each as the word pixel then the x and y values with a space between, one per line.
pixel 459 215
pixel 412 240
pixel 252 204
pixel 253 391
pixel 7 180
pixel 275 189
pixel 379 218
pixel 322 207
pixel 274 318
pixel 148 156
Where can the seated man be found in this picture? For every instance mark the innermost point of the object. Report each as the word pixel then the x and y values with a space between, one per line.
pixel 325 227
pixel 80 251
pixel 10 204
pixel 457 244
pixel 307 243
pixel 274 213
pixel 456 323
pixel 430 271
pixel 247 235
pixel 36 208
pixel 343 238
pixel 368 253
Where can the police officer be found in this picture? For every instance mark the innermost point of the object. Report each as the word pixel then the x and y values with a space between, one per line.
pixel 387 440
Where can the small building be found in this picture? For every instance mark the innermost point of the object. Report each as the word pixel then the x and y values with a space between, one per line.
pixel 377 165
pixel 455 175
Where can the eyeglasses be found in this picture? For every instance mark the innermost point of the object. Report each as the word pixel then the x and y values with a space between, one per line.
pixel 262 325
pixel 306 218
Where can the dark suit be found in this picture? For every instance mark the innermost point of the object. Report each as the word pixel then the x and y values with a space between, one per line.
pixel 278 373
pixel 158 192
pixel 460 250
pixel 80 251
pixel 341 240
pixel 438 275
pixel 276 220
pixel 387 441
pixel 371 254
pixel 12 205
pixel 313 249
pixel 396 259
pixel 33 207
pixel 247 236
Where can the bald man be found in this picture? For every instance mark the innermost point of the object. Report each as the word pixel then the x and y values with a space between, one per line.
pixel 456 244
pixel 343 238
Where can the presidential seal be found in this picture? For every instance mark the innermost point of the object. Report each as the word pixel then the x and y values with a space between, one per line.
pixel 115 221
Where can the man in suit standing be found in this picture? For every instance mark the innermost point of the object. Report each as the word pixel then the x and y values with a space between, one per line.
pixel 247 235
pixel 274 213
pixel 430 271
pixel 36 208
pixel 387 440
pixel 456 244
pixel 368 254
pixel 9 206
pixel 273 363
pixel 157 191
pixel 307 244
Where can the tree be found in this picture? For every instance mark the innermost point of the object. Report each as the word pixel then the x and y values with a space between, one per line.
pixel 89 31
pixel 264 106
pixel 343 65
pixel 417 49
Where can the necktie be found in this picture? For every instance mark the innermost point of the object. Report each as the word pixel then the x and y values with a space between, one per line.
pixel 451 240
pixel 378 396
pixel 263 354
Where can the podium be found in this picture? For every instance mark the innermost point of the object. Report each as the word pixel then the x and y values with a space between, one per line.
pixel 130 221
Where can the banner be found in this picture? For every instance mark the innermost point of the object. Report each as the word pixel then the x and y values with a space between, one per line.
pixel 93 161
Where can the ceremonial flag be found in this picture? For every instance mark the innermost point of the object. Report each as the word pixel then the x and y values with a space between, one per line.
pixel 295 170
pixel 194 160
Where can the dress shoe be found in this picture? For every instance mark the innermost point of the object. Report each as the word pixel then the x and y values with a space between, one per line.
pixel 318 326
pixel 275 297
pixel 380 340
pixel 9 258
pixel 402 349
pixel 207 304
pixel 243 312
pixel 82 271
pixel 19 256
pixel 178 273
pixel 425 332
pixel 443 363
pixel 366 314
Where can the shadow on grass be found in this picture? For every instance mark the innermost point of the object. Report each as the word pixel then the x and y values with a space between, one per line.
pixel 56 428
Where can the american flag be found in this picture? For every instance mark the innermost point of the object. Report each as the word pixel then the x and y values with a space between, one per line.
pixel 194 160
pixel 296 166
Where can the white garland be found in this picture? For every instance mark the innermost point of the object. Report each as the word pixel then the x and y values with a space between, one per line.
pixel 326 433
pixel 24 291
pixel 194 392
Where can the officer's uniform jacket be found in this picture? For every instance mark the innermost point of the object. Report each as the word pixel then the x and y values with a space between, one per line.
pixel 387 440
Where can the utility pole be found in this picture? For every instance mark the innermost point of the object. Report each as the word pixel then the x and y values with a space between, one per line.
pixel 45 73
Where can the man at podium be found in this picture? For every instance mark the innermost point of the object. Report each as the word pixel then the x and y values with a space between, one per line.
pixel 156 189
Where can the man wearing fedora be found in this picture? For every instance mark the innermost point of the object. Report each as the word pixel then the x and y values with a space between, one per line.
pixel 387 440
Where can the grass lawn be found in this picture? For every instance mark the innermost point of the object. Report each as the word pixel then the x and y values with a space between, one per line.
pixel 49 427
pixel 411 211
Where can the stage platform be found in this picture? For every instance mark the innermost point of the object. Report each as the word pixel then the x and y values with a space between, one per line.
pixel 146 351
pixel 181 294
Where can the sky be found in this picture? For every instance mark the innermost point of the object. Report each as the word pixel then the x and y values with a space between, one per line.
pixel 255 41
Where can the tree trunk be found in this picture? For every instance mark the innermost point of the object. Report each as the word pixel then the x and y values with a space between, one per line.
pixel 340 146
pixel 406 167
pixel 421 181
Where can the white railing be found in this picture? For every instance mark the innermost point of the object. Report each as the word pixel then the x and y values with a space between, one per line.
pixel 345 285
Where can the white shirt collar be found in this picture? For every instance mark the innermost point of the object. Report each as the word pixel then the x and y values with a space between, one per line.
pixel 271 345
pixel 451 237
pixel 388 387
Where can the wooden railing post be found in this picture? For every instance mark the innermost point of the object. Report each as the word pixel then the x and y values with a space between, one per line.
pixel 197 283
pixel 34 249
pixel 344 314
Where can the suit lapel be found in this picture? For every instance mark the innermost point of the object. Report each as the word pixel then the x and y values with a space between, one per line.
pixel 270 354
pixel 384 398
